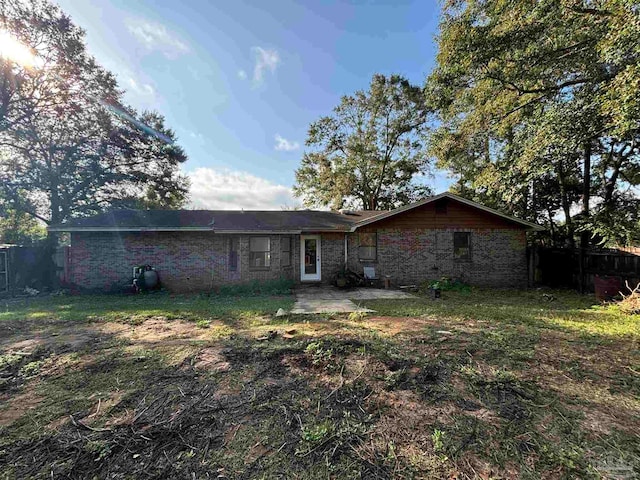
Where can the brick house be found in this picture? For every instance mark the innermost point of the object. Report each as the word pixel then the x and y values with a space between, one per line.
pixel 444 235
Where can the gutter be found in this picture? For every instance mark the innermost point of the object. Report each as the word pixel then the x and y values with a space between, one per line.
pixel 172 229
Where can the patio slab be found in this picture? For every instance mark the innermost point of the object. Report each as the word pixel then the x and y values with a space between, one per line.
pixel 327 299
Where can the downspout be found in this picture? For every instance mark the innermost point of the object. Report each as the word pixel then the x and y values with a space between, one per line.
pixel 346 250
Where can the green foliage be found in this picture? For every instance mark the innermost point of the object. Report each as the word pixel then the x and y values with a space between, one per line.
pixel 202 323
pixel 357 316
pixel 445 284
pixel 437 438
pixel 525 94
pixel 319 354
pixel 71 147
pixel 368 153
pixel 19 228
pixel 316 433
pixel 281 286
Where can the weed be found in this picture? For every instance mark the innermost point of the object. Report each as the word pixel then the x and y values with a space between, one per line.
pixel 202 323
pixel 357 316
pixel 31 369
pixel 437 438
pixel 319 354
pixel 316 433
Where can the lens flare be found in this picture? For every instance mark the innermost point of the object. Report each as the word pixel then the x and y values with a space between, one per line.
pixel 11 49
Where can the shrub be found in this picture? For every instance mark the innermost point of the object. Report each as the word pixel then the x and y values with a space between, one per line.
pixel 281 286
pixel 445 284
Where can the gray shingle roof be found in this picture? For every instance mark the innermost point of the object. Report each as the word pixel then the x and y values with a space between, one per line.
pixel 248 221
pixel 219 220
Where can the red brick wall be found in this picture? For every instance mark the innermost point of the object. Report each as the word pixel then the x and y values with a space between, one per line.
pixel 498 256
pixel 185 261
pixel 192 261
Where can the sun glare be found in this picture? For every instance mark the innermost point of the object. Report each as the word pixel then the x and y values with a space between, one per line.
pixel 11 49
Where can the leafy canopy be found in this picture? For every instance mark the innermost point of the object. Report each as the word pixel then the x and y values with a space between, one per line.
pixel 370 152
pixel 539 109
pixel 69 146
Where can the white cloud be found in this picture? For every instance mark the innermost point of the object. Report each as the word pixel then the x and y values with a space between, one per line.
pixel 232 190
pixel 139 89
pixel 266 60
pixel 242 75
pixel 285 145
pixel 155 36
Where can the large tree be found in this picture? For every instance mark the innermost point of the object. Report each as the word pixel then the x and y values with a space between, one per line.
pixel 69 146
pixel 370 153
pixel 539 108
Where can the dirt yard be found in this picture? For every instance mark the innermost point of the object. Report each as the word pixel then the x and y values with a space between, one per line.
pixel 481 384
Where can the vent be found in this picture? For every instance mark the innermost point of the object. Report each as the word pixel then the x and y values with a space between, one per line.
pixel 349 212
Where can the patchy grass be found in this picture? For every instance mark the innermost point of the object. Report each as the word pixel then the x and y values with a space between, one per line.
pixel 136 308
pixel 479 384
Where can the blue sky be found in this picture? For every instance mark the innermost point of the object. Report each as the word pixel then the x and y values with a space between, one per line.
pixel 240 82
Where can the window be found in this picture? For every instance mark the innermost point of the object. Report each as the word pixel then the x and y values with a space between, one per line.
pixel 260 252
pixel 462 246
pixel 233 253
pixel 367 246
pixel 285 251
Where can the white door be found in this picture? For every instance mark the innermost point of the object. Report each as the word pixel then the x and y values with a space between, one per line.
pixel 310 258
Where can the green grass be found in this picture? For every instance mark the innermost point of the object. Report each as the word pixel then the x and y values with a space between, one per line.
pixel 135 308
pixel 569 311
pixel 478 384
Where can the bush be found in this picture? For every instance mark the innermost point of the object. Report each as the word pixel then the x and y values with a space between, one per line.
pixel 445 284
pixel 281 286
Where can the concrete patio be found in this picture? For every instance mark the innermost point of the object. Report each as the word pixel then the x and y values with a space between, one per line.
pixel 327 299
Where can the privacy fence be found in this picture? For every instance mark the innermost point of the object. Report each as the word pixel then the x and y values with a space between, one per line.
pixel 28 266
pixel 576 268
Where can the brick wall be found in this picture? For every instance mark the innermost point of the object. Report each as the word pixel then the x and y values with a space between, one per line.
pixel 192 261
pixel 498 256
pixel 185 261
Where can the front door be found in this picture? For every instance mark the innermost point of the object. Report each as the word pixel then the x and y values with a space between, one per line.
pixel 310 258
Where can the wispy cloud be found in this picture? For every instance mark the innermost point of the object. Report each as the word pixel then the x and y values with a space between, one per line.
pixel 226 190
pixel 242 75
pixel 284 145
pixel 266 60
pixel 155 36
pixel 140 89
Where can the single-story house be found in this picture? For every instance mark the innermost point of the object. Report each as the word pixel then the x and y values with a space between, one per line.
pixel 444 235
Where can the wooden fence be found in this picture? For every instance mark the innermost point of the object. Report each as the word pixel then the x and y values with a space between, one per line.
pixel 22 267
pixel 573 268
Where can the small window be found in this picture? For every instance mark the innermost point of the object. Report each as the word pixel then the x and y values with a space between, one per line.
pixel 462 246
pixel 233 254
pixel 260 252
pixel 367 246
pixel 285 251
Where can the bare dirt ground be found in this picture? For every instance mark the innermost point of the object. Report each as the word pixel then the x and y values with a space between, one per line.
pixel 438 393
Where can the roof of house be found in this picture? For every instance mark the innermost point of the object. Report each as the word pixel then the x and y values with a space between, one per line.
pixel 251 221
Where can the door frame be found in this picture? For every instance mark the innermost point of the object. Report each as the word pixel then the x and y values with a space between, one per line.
pixel 316 277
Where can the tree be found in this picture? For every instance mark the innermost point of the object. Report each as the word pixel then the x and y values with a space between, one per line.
pixel 19 228
pixel 370 152
pixel 69 146
pixel 539 108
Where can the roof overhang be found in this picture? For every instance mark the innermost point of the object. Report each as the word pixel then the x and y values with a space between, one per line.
pixel 426 201
pixel 62 228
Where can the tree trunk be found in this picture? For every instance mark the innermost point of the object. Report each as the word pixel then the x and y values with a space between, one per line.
pixel 566 206
pixel 586 193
